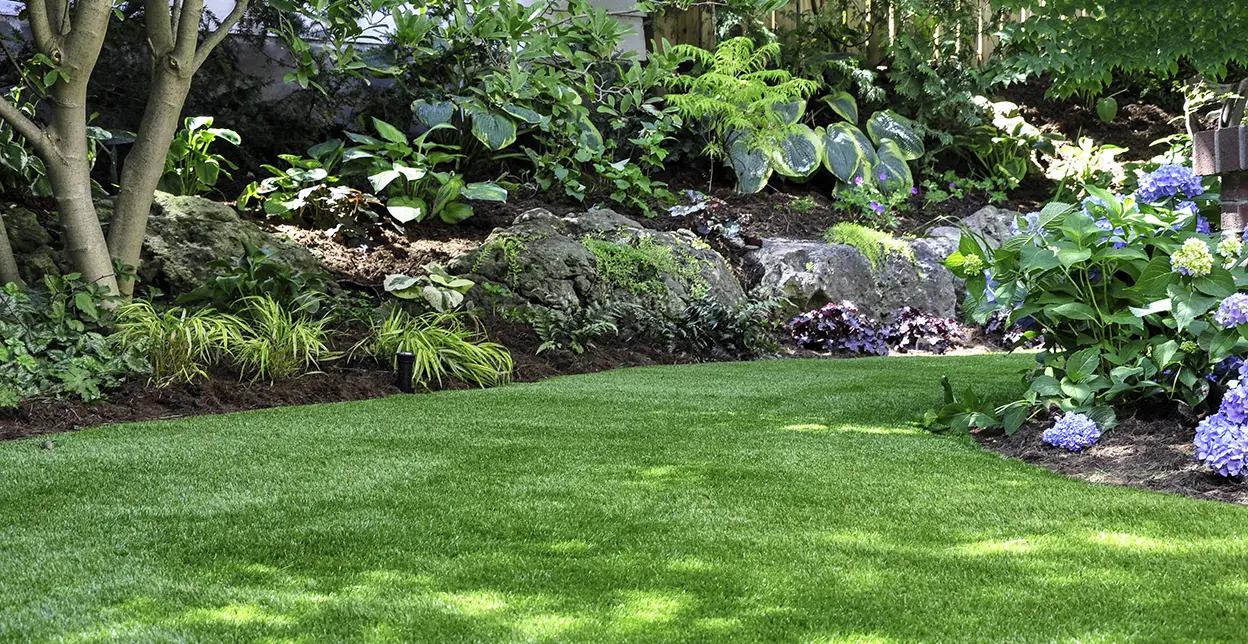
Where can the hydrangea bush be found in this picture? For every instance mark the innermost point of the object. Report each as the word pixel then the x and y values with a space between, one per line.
pixel 1133 299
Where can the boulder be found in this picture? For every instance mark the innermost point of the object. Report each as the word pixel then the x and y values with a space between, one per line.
pixel 571 262
pixel 811 273
pixel 185 234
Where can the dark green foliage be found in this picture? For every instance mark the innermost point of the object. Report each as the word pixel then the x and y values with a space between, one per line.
pixel 256 274
pixel 55 342
pixel 709 328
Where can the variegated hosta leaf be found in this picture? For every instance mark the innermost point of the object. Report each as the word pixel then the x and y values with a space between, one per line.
pixel 893 167
pixel 402 286
pixel 847 152
pixel 495 131
pixel 752 165
pixel 843 103
pixel 484 191
pixel 431 114
pixel 790 112
pixel 523 113
pixel 887 125
pixel 589 137
pixel 800 153
pixel 405 209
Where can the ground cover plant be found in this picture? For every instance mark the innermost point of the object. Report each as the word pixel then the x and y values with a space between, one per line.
pixel 759 501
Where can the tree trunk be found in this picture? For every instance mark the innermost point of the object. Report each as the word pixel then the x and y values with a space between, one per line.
pixel 8 264
pixel 143 167
pixel 69 172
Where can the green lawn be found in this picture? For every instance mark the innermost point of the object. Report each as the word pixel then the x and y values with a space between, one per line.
pixel 783 500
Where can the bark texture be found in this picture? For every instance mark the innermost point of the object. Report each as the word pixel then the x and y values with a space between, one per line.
pixel 8 264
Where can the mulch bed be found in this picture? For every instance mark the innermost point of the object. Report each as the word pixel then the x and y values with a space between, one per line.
pixel 1148 454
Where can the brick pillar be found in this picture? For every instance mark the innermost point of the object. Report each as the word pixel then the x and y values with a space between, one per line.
pixel 1224 152
pixel 1234 203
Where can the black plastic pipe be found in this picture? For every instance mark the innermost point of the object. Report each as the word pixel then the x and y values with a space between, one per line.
pixel 406 369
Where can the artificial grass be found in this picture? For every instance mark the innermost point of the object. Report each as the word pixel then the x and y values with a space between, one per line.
pixel 783 500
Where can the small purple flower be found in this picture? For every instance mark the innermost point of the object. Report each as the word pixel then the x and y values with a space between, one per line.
pixel 914 191
pixel 883 176
pixel 1072 431
pixel 1233 311
pixel 953 186
pixel 877 207
pixel 858 181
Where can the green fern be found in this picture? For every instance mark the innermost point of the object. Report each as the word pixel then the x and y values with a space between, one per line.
pixel 735 94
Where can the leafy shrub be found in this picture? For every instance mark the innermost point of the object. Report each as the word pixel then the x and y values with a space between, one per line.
pixel 190 167
pixel 574 331
pixel 178 343
pixel 875 245
pixel 55 342
pixel 1123 292
pixel 865 201
pixel 437 288
pixel 707 327
pixel 255 274
pixel 910 329
pixel 838 327
pixel 278 343
pixel 443 345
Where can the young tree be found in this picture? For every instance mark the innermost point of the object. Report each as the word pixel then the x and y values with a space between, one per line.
pixel 1083 43
pixel 70 34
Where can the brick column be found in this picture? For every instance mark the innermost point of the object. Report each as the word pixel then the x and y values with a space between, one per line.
pixel 1224 152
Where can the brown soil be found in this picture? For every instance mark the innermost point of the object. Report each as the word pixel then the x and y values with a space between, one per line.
pixel 1135 128
pixel 1148 454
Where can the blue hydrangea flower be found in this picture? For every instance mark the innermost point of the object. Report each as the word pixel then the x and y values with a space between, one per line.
pixel 1233 311
pixel 1072 431
pixel 1187 207
pixel 1031 225
pixel 1104 224
pixel 1093 201
pixel 1169 181
pixel 1222 444
pixel 1202 225
pixel 1235 405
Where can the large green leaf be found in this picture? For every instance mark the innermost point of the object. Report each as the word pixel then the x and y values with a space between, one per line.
pixel 484 191
pixel 456 212
pixel 590 138
pixel 886 125
pixel 799 154
pixel 494 131
pixel 433 114
pixel 752 165
pixel 389 132
pixel 523 113
pixel 790 112
pixel 843 103
pixel 847 152
pixel 892 165
pixel 448 193
pixel 406 209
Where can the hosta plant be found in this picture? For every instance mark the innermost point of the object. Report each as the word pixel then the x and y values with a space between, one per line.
pixel 1125 293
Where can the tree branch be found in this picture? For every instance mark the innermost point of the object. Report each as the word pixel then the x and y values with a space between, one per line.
pixel 27 128
pixel 213 39
pixel 41 29
pixel 159 27
pixel 188 32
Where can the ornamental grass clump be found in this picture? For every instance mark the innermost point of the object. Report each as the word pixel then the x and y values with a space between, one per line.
pixel 1075 432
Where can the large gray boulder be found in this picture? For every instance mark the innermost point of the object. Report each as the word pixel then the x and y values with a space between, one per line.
pixel 810 273
pixel 185 234
pixel 572 262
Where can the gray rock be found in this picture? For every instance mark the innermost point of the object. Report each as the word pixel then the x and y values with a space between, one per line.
pixel 810 274
pixel 184 234
pixel 545 261
pixel 991 222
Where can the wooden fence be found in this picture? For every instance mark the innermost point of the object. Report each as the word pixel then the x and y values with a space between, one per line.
pixel 697 26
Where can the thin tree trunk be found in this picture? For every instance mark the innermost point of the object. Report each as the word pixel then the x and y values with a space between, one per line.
pixel 8 263
pixel 142 170
pixel 69 172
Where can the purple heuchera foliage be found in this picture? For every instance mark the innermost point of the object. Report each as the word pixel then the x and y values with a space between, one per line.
pixel 911 329
pixel 1222 444
pixel 1169 181
pixel 1072 431
pixel 838 327
pixel 1233 311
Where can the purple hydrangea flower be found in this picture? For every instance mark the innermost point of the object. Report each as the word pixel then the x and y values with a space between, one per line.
pixel 1202 225
pixel 1222 444
pixel 1072 431
pixel 1235 405
pixel 1169 181
pixel 1233 311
